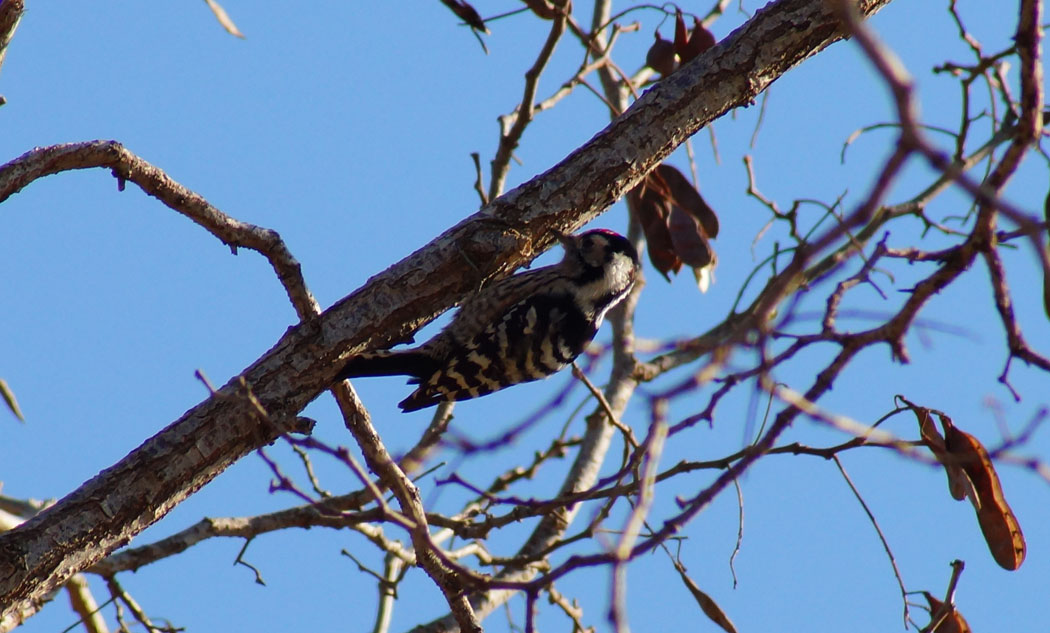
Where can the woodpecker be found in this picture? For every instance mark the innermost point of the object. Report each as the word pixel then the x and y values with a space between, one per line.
pixel 519 329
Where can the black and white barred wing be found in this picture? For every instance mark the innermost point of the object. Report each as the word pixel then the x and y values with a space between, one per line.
pixel 535 338
pixel 479 311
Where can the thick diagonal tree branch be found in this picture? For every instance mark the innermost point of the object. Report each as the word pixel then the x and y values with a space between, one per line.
pixel 121 501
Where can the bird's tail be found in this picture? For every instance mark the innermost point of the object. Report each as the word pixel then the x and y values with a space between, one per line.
pixel 388 363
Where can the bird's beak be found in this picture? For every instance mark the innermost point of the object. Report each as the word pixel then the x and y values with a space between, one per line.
pixel 568 241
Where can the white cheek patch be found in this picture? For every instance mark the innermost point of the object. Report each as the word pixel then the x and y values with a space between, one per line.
pixel 620 273
pixel 618 278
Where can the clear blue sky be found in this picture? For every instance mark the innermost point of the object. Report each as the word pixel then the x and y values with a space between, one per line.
pixel 347 127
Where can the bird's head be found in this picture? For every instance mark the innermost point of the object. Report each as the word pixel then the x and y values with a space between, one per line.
pixel 602 260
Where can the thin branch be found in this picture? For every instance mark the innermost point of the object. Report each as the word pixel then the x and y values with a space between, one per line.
pixel 428 555
pixel 120 595
pixel 393 570
pixel 511 133
pixel 628 434
pixel 126 166
pixel 84 605
pixel 878 530
pixel 633 525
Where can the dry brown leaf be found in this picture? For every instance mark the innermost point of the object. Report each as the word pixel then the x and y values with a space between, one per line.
pixel 661 56
pixel 959 483
pixel 685 195
pixel 691 246
pixel 1001 530
pixel 707 604
pixel 689 242
pixel 681 35
pixel 951 622
pixel 972 474
pixel 699 41
pixel 651 209
pixel 224 19
pixel 664 56
pixel 464 11
pixel 677 223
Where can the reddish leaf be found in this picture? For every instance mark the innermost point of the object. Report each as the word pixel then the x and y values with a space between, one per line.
pixel 949 620
pixel 972 474
pixel 650 209
pixel 707 604
pixel 699 41
pixel 959 483
pixel 677 224
pixel 661 56
pixel 681 36
pixel 689 241
pixel 1001 530
pixel 691 246
pixel 686 196
pixel 464 11
pixel 691 222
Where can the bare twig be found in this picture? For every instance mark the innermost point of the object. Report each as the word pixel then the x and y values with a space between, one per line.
pixel 122 596
pixel 511 133
pixel 628 434
pixel 878 530
pixel 126 166
pixel 84 605
pixel 393 570
pixel 632 527
pixel 428 554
